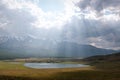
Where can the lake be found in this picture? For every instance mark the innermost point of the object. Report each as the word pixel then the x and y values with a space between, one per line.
pixel 53 65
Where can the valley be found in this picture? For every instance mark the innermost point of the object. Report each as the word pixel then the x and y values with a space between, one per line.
pixel 99 69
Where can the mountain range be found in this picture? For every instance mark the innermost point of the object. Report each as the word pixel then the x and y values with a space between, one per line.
pixel 29 46
pixel 110 57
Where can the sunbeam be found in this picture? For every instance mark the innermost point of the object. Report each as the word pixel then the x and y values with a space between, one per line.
pixel 59 39
pixel 70 28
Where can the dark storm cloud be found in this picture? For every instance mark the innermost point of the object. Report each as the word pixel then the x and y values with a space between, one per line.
pixel 99 5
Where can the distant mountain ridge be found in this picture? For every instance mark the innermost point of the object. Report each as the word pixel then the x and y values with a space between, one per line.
pixel 109 57
pixel 28 46
pixel 77 50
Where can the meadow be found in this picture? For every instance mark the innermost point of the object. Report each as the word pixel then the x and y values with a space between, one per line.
pixel 97 71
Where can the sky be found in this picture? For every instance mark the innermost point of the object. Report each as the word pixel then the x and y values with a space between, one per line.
pixel 92 22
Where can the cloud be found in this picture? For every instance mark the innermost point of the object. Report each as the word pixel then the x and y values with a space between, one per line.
pixel 13 19
pixel 97 23
pixel 102 33
pixel 44 19
pixel 53 19
pixel 99 5
pixel 94 22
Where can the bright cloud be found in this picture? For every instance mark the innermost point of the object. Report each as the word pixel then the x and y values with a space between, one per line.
pixel 80 21
pixel 44 19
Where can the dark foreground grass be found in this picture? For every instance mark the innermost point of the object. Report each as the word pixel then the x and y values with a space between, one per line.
pixel 101 71
pixel 76 75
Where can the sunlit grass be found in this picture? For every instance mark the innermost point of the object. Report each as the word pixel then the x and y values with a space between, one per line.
pixel 16 71
pixel 11 65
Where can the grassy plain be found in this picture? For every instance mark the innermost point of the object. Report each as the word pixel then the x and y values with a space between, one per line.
pixel 98 71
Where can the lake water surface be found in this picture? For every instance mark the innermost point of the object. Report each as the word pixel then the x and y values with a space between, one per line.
pixel 53 65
